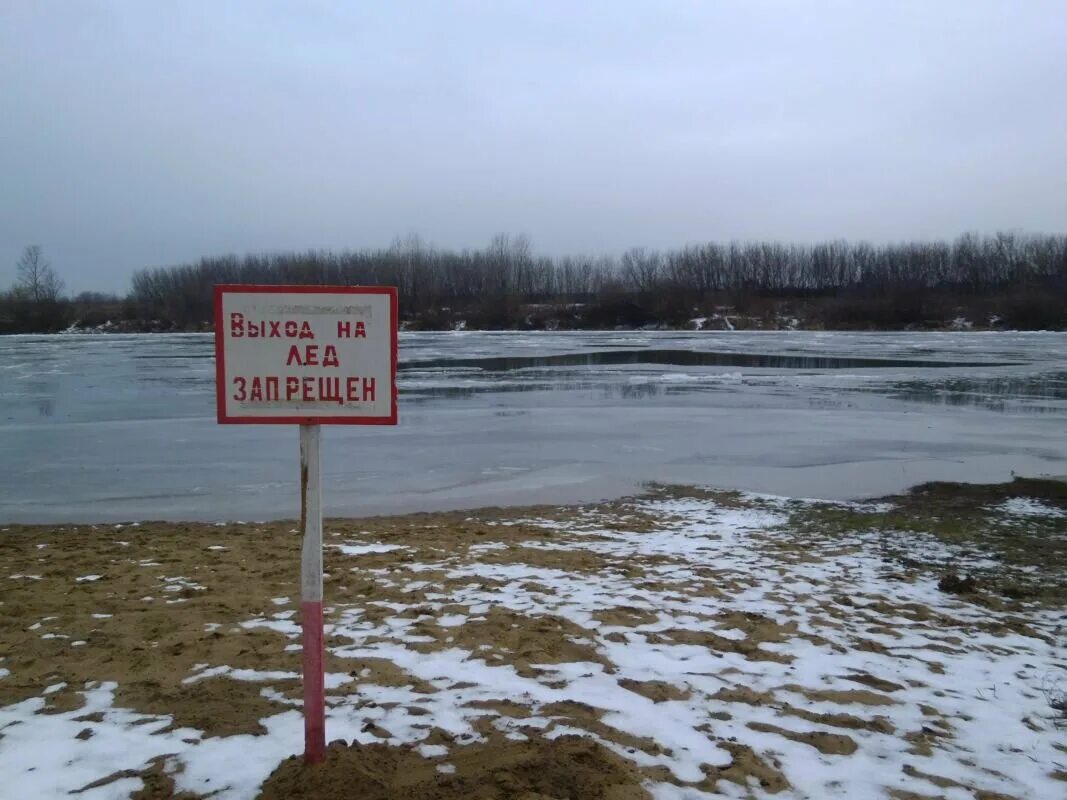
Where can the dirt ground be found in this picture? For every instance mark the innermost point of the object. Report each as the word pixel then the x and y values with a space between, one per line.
pixel 699 640
pixel 570 766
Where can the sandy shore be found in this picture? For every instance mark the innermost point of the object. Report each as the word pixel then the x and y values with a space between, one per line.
pixel 682 644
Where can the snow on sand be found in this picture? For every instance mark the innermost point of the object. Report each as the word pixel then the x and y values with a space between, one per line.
pixel 704 638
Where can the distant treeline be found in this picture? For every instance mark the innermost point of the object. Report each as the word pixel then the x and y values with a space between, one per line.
pixel 1006 279
pixel 1022 279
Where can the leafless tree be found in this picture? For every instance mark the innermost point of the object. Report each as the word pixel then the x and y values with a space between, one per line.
pixel 642 269
pixel 36 280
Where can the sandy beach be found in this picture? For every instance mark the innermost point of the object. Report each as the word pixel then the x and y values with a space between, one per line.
pixel 685 643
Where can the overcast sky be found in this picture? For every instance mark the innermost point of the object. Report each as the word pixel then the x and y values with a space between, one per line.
pixel 138 134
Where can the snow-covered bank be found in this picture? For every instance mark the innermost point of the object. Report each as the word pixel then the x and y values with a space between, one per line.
pixel 721 643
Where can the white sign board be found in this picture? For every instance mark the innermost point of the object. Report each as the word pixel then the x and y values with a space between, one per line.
pixel 307 355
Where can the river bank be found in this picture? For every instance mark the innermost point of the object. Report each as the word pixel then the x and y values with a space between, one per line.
pixel 578 317
pixel 699 641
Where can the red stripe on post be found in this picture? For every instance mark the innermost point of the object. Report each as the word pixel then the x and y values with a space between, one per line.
pixel 314 683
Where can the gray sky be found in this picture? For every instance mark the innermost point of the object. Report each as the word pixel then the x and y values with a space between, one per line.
pixel 146 133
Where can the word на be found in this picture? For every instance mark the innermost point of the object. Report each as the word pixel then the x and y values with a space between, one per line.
pixel 272 388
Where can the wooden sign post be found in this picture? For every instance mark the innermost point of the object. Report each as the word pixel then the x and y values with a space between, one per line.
pixel 307 355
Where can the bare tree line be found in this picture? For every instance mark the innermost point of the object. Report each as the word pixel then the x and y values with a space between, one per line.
pixel 508 272
pixel 425 277
pixel 1016 278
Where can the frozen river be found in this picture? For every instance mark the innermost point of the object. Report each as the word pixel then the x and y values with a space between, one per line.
pixel 114 428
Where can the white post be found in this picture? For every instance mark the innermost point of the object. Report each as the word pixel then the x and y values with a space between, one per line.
pixel 311 595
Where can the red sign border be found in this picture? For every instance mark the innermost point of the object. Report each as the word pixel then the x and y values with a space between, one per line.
pixel 256 288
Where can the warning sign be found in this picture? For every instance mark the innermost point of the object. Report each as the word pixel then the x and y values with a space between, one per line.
pixel 306 354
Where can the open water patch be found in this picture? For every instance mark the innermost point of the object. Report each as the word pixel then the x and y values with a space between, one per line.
pixel 688 358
